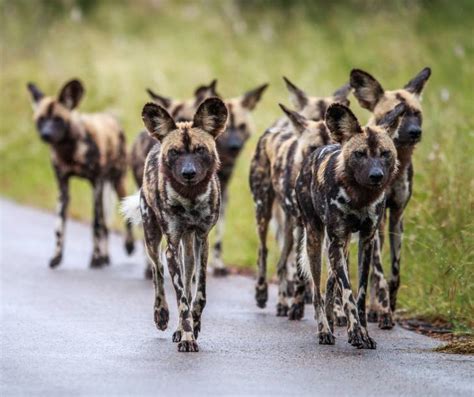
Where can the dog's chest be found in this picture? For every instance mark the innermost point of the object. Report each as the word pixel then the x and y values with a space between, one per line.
pixel 184 212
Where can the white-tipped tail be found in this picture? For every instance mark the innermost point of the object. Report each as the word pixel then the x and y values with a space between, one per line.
pixel 303 259
pixel 130 208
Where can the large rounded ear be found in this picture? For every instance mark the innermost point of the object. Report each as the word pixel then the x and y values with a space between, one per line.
pixel 298 97
pixel 157 120
pixel 341 94
pixel 416 85
pixel 71 94
pixel 367 89
pixel 298 121
pixel 211 116
pixel 206 91
pixel 391 120
pixel 342 123
pixel 160 100
pixel 252 97
pixel 36 94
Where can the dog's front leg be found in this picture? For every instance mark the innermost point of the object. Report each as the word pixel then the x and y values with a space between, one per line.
pixel 184 334
pixel 366 249
pixel 337 260
pixel 100 254
pixel 201 250
pixel 63 202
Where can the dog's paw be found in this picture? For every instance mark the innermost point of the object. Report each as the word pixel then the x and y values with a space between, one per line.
pixel 220 272
pixel 326 338
pixel 261 295
pixel 281 310
pixel 161 315
pixel 188 346
pixel 99 261
pixel 386 321
pixel 129 246
pixel 55 261
pixel 372 316
pixel 296 311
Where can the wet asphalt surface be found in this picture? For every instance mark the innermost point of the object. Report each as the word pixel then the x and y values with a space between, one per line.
pixel 77 331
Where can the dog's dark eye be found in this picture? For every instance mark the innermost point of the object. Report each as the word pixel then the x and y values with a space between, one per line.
pixel 359 154
pixel 57 119
pixel 40 120
pixel 200 150
pixel 242 126
pixel 386 153
pixel 173 152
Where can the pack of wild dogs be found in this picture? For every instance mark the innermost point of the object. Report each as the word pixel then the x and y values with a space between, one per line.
pixel 316 173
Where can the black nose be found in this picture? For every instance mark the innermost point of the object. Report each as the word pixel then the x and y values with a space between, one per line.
pixel 414 132
pixel 235 147
pixel 188 172
pixel 376 175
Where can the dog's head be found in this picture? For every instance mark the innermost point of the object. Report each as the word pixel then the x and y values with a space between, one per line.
pixel 372 96
pixel 368 155
pixel 311 134
pixel 184 110
pixel 52 115
pixel 239 127
pixel 313 107
pixel 188 149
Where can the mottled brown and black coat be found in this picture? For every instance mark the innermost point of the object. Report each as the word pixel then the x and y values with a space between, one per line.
pixel 275 164
pixel 380 102
pixel 180 199
pixel 90 146
pixel 340 191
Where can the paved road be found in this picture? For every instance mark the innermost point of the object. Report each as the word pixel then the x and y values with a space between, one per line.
pixel 76 331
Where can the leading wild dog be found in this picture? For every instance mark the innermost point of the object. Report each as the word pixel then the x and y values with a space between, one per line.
pixel 340 191
pixel 180 199
pixel 275 164
pixel 229 145
pixel 90 146
pixel 373 97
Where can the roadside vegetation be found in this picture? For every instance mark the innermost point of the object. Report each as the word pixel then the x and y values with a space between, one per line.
pixel 119 48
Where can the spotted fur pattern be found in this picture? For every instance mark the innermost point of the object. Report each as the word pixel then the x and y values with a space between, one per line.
pixel 340 191
pixel 372 96
pixel 229 146
pixel 274 167
pixel 89 146
pixel 179 200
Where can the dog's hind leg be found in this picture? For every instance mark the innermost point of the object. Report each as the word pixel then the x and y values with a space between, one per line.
pixel 119 186
pixel 395 233
pixel 282 269
pixel 100 254
pixel 153 234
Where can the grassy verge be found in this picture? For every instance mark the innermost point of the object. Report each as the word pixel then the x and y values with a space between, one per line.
pixel 119 48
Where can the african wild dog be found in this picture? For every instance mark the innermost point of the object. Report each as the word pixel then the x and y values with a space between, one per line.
pixel 273 172
pixel 373 97
pixel 180 199
pixel 274 167
pixel 229 145
pixel 340 191
pixel 180 111
pixel 90 146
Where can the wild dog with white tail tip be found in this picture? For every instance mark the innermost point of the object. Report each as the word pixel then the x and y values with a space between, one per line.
pixel 340 191
pixel 90 146
pixel 180 199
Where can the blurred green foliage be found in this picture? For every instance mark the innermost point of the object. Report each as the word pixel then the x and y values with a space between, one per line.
pixel 120 47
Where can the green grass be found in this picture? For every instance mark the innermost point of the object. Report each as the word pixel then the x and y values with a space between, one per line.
pixel 119 49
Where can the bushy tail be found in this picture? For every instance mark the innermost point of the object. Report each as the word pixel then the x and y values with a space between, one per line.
pixel 130 208
pixel 302 255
